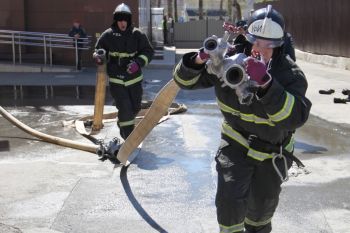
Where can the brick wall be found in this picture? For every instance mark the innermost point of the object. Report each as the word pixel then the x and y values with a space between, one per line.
pixel 57 16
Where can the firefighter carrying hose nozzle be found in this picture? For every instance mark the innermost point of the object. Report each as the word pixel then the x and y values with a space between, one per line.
pixel 126 50
pixel 262 99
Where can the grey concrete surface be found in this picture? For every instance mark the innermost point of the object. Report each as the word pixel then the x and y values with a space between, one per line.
pixel 325 77
pixel 169 188
pixel 171 185
pixel 34 68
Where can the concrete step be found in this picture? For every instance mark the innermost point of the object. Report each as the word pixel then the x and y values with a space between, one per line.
pixel 163 58
pixel 34 68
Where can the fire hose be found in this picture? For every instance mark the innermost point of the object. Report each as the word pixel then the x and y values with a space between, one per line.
pixel 49 138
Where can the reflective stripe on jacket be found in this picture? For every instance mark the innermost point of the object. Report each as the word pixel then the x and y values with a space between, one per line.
pixel 123 48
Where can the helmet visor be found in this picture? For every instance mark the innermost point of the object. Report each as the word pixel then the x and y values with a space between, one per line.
pixel 263 43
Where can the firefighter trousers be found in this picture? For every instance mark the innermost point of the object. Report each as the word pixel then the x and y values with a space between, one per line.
pixel 128 102
pixel 248 190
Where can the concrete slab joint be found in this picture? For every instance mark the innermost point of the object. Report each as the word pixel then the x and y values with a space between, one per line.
pixel 9 229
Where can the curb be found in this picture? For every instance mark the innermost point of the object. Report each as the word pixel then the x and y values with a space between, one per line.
pixel 336 62
pixel 33 69
pixel 168 62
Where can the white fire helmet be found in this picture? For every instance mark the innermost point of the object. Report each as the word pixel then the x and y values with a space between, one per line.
pixel 266 24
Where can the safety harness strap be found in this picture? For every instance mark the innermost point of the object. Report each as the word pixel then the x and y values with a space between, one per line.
pixel 261 150
pixel 256 150
pixel 257 144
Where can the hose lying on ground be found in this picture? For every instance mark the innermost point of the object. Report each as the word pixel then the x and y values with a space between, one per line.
pixel 49 138
pixel 96 149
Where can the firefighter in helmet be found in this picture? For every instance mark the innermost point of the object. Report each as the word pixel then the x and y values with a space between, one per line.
pixel 127 51
pixel 257 142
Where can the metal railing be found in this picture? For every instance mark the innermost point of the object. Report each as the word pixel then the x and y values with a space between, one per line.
pixel 40 39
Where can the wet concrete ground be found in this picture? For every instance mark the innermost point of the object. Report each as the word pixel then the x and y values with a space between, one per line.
pixel 170 187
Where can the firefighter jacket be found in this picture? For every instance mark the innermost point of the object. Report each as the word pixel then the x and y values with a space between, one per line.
pixel 122 48
pixel 272 118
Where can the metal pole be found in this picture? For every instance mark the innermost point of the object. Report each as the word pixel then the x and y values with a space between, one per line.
pixel 15 92
pixel 50 51
pixel 150 29
pixel 13 49
pixel 19 48
pixel 46 93
pixel 45 58
pixel 76 54
pixel 21 91
pixel 77 92
pixel 207 27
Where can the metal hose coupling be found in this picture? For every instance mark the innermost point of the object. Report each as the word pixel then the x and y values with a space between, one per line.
pixel 110 149
pixel 230 70
pixel 233 71
pixel 235 77
pixel 216 48
pixel 101 54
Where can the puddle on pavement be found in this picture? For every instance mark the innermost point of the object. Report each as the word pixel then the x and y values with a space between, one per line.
pixel 316 138
pixel 4 145
pixel 57 95
pixel 46 95
pixel 319 137
pixel 20 95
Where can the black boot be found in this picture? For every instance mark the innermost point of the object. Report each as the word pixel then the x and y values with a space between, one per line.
pixel 125 131
pixel 260 229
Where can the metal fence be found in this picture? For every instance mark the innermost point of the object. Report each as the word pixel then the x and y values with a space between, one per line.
pixel 18 39
pixel 192 34
pixel 317 26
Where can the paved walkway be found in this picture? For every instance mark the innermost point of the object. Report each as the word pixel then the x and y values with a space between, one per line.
pixel 171 186
pixel 324 77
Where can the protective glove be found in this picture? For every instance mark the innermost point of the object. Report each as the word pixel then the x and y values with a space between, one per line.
pixel 132 67
pixel 203 55
pixel 99 56
pixel 98 60
pixel 257 72
pixel 230 27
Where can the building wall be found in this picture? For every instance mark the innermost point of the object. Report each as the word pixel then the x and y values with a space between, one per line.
pixel 145 16
pixel 317 26
pixel 57 17
pixel 11 18
pixel 11 14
